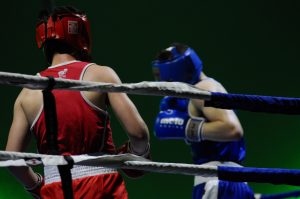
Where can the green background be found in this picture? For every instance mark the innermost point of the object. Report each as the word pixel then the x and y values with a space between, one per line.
pixel 251 47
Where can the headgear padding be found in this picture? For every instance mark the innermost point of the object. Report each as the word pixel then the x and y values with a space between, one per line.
pixel 71 28
pixel 180 67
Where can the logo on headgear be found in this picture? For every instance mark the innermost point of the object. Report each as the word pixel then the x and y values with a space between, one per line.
pixel 73 27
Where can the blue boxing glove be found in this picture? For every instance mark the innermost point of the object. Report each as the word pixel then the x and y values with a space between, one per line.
pixel 174 123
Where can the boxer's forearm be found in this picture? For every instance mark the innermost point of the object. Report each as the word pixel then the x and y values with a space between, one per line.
pixel 25 175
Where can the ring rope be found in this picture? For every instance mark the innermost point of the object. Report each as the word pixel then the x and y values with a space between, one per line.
pixel 130 161
pixel 289 194
pixel 255 103
pixel 175 89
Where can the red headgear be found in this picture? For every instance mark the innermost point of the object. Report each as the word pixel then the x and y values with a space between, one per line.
pixel 74 29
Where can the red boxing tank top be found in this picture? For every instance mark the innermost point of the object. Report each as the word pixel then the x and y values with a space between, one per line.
pixel 82 127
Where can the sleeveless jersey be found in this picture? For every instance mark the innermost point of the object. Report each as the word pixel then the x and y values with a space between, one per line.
pixel 215 152
pixel 206 151
pixel 82 127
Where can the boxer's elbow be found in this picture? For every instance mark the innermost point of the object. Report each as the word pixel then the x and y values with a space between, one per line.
pixel 235 131
pixel 140 133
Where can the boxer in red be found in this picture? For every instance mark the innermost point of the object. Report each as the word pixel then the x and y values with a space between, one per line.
pixel 83 124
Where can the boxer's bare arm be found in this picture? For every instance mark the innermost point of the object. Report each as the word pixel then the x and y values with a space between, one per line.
pixel 222 125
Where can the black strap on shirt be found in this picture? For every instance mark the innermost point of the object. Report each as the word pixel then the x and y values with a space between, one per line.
pixel 50 117
pixel 51 134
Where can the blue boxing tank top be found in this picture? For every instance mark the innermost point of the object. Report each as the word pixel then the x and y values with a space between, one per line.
pixel 206 151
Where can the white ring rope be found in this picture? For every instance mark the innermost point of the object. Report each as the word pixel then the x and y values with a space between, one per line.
pixel 124 161
pixel 256 103
pixel 176 89
pixel 130 161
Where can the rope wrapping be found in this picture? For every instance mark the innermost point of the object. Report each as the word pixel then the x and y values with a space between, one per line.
pixel 176 89
pixel 275 176
pixel 255 103
pixel 278 195
pixel 130 161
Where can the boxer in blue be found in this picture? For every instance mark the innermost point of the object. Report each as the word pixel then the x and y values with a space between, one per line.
pixel 214 135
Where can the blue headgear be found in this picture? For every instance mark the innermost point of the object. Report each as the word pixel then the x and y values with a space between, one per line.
pixel 182 67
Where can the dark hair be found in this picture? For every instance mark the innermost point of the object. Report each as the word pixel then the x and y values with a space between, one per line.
pixel 53 46
pixel 168 55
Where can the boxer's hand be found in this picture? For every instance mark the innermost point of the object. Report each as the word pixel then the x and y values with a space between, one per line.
pixel 35 190
pixel 174 124
pixel 126 148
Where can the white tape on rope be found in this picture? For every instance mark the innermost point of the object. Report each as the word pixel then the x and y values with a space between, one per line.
pixel 176 89
pixel 125 161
